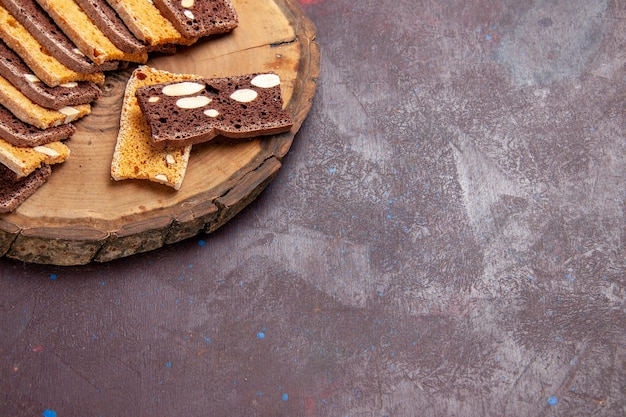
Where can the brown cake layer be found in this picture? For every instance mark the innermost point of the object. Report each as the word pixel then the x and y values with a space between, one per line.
pixel 21 134
pixel 13 191
pixel 187 113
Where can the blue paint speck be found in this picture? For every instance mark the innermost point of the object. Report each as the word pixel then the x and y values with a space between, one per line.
pixel 53 277
pixel 49 413
pixel 285 397
pixel 259 393
pixel 169 364
pixel 207 340
pixel 201 242
pixel 260 335
pixel 488 37
pixel 332 170
pixel 553 400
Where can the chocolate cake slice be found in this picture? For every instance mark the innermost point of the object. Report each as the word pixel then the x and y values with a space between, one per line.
pixel 46 32
pixel 187 113
pixel 21 134
pixel 198 18
pixel 14 70
pixel 14 191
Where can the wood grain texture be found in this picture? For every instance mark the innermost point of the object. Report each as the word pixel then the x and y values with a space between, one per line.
pixel 82 215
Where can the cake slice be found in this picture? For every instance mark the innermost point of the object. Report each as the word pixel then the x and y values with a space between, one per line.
pixel 21 134
pixel 14 70
pixel 14 191
pixel 23 161
pixel 145 21
pixel 134 156
pixel 89 39
pixel 191 112
pixel 46 32
pixel 46 67
pixel 103 15
pixel 27 111
pixel 198 18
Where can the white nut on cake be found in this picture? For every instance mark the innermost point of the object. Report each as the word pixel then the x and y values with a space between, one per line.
pixel 193 102
pixel 265 80
pixel 245 95
pixel 182 89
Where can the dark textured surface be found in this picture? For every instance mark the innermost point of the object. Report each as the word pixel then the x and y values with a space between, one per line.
pixel 445 238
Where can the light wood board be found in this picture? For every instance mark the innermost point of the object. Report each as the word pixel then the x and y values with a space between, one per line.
pixel 81 215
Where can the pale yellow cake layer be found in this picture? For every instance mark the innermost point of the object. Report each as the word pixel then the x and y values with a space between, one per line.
pixel 47 68
pixel 23 161
pixel 87 37
pixel 135 157
pixel 27 111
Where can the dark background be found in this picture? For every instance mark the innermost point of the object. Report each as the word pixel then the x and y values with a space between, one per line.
pixel 445 238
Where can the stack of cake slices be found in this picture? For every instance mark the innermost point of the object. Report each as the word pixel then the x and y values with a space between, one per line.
pixel 54 55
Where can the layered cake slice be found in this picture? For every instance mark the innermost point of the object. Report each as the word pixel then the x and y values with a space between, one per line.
pixel 145 21
pixel 46 32
pixel 14 191
pixel 28 112
pixel 198 18
pixel 134 156
pixel 46 67
pixel 190 112
pixel 14 70
pixel 23 161
pixel 18 133
pixel 89 39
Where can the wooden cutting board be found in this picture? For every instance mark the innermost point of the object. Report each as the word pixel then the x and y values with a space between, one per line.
pixel 81 215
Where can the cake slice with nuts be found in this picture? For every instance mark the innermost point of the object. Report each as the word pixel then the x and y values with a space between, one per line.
pixel 198 18
pixel 23 161
pixel 191 112
pixel 21 134
pixel 134 156
pixel 24 109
